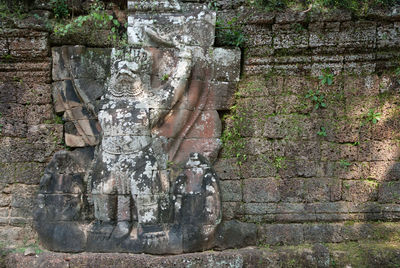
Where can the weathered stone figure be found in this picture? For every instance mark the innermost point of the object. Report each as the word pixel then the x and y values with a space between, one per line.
pixel 143 181
pixel 127 167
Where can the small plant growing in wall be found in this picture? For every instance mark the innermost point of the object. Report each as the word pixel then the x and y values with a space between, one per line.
pixel 317 98
pixel 165 77
pixel 326 78
pixel 229 33
pixel 322 132
pixel 279 162
pixel 371 117
pixel 344 163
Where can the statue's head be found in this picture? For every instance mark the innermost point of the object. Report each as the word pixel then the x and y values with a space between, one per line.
pixel 130 73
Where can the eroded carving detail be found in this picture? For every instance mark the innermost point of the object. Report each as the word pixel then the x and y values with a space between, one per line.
pixel 148 185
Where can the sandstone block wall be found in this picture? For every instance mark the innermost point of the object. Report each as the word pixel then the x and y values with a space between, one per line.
pixel 298 163
pixel 29 132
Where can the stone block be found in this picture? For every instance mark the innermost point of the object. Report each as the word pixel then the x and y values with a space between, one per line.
pixel 260 146
pixel 332 15
pixel 21 213
pixel 5 201
pixel 20 150
pixel 45 133
pixel 91 63
pixel 23 196
pixel 291 40
pixel 322 39
pixel 227 168
pixel 274 127
pixel 291 104
pixel 389 192
pixel 346 170
pixel 257 69
pixel 235 234
pixel 290 17
pixel 378 150
pixel 323 233
pixel 220 96
pixel 26 173
pixel 337 152
pixel 388 35
pixel 359 106
pixel 207 125
pixel 310 190
pixel 341 130
pixel 359 68
pixel 384 171
pixel 8 93
pixel 258 167
pixel 12 111
pixel 358 34
pixel 258 35
pixel 226 64
pixel 261 190
pixel 38 114
pixel 4 47
pixel 256 108
pixel 307 150
pixel 317 68
pixel 280 234
pixel 359 191
pixel 259 218
pixel 12 128
pixel 259 208
pixel 34 94
pixel 194 28
pixel 252 86
pixel 298 168
pixel 231 210
pixel 299 85
pixel 231 190
pixel 29 47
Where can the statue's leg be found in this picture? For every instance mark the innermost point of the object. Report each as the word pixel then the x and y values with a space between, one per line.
pixel 103 192
pixel 146 191
pixel 124 209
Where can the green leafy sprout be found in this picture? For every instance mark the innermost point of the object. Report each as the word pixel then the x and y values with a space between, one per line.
pixel 317 98
pixel 165 77
pixel 322 132
pixel 372 116
pixel 326 78
pixel 344 163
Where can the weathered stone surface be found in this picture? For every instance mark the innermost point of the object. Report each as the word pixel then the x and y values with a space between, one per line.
pixel 231 190
pixel 234 234
pixel 389 192
pixel 261 190
pixel 278 234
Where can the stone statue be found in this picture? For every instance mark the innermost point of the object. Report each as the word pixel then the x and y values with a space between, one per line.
pixel 141 179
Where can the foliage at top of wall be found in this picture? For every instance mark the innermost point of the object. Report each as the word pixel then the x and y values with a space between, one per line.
pixel 14 10
pixel 96 18
pixel 356 6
